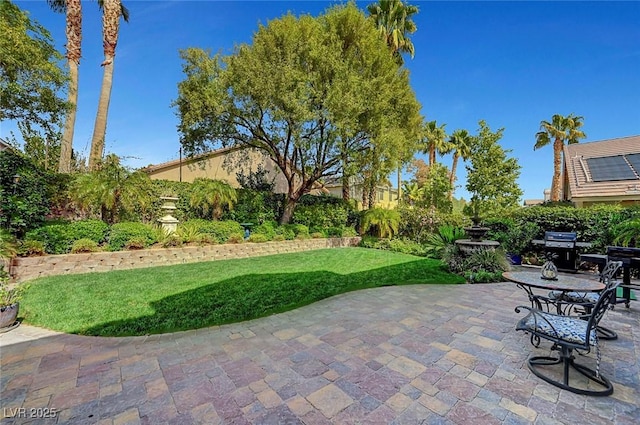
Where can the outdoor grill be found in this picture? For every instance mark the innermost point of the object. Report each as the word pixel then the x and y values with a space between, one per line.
pixel 565 246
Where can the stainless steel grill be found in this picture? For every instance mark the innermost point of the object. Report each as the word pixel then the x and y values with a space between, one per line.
pixel 565 246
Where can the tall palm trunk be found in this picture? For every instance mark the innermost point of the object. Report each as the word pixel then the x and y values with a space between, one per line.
pixel 558 144
pixel 74 38
pixel 452 174
pixel 110 24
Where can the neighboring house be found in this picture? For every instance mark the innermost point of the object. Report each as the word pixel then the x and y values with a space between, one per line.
pixel 386 196
pixel 222 164
pixel 212 165
pixel 4 145
pixel 606 171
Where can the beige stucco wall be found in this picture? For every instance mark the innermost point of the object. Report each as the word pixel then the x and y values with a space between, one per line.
pixel 385 197
pixel 214 167
pixel 29 268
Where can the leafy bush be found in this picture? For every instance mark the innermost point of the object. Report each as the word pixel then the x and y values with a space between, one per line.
pixel 256 207
pixel 95 230
pixel 279 238
pixel 483 265
pixel 84 245
pixel 317 235
pixel 327 212
pixel 56 238
pixel 258 238
pixel 236 238
pixel 189 232
pixel 268 229
pixel 172 240
pixel 220 231
pixel 131 235
pixel 417 223
pixel 349 232
pixel 407 246
pixel 627 233
pixel 30 248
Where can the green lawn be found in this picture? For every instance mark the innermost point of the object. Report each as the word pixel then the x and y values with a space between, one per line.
pixel 191 296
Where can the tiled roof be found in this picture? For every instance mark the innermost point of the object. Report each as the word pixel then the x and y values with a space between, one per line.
pixel 578 175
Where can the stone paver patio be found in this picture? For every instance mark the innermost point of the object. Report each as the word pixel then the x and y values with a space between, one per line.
pixel 423 354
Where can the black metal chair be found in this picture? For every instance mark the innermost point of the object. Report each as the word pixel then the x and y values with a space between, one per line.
pixel 588 299
pixel 568 333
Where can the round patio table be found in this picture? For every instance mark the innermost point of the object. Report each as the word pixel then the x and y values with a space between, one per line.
pixel 529 280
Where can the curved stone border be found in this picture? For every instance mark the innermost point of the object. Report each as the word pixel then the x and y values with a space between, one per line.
pixel 29 268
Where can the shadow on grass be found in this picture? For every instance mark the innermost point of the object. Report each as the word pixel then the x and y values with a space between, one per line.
pixel 258 295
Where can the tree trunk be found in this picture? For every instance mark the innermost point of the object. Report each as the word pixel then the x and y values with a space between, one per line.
pixel 432 155
pixel 111 11
pixel 345 188
pixel 66 145
pixel 372 193
pixel 452 175
pixel 365 195
pixel 399 185
pixel 558 144
pixel 289 207
pixel 100 127
pixel 74 39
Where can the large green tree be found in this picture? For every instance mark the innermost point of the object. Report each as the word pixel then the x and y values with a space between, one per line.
pixel 434 140
pixel 112 11
pixel 31 78
pixel 212 195
pixel 305 92
pixel 491 175
pixel 561 130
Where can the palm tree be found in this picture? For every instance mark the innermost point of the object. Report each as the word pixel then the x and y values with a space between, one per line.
pixel 212 195
pixel 383 221
pixel 435 140
pixel 560 129
pixel 112 10
pixel 460 143
pixel 73 12
pixel 394 21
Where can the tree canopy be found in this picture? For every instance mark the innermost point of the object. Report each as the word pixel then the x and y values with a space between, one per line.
pixel 491 175
pixel 307 91
pixel 30 74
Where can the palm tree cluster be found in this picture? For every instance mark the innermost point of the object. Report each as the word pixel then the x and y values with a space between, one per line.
pixel 112 10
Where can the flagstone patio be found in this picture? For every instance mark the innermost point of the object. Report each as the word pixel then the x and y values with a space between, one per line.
pixel 423 354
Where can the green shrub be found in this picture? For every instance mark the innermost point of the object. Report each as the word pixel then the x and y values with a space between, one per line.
pixel 220 231
pixel 483 276
pixel 279 238
pixel 172 240
pixel 189 232
pixel 418 223
pixel 333 232
pixel 56 238
pixel 84 245
pixel 258 238
pixel 268 228
pixel 136 243
pixel 131 235
pixel 287 231
pixel 349 232
pixel 236 238
pixel 407 246
pixel 381 221
pixel 30 248
pixel 327 212
pixel 95 230
pixel 446 235
pixel 317 235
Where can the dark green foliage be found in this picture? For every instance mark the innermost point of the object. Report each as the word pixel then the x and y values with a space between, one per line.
pixel 172 240
pixel 627 233
pixel 255 207
pixel 181 190
pixel 402 245
pixel 418 223
pixel 56 238
pixel 84 245
pixel 220 231
pixel 30 248
pixel 258 238
pixel 268 229
pixel 123 234
pixel 322 213
pixel 483 265
pixel 23 203
pixel 514 238
pixel 445 236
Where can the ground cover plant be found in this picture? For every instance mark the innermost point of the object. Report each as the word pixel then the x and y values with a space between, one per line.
pixel 190 296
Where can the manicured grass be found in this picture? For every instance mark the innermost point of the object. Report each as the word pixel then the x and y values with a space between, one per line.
pixel 191 296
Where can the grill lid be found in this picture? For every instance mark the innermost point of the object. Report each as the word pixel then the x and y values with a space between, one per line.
pixel 560 236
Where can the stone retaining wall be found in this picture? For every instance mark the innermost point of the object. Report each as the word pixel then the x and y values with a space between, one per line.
pixel 29 268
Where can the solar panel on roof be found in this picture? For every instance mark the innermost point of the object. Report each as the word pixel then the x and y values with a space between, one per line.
pixel 610 168
pixel 634 160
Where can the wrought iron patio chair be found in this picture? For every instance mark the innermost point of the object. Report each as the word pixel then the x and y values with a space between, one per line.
pixel 568 333
pixel 588 299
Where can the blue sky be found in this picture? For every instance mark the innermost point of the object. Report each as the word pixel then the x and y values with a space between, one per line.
pixel 511 63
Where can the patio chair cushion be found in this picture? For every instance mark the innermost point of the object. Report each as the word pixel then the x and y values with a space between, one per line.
pixel 566 328
pixel 575 297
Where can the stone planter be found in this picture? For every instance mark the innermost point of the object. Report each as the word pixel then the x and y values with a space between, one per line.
pixel 8 315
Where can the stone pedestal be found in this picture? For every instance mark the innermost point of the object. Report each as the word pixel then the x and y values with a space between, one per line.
pixel 169 222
